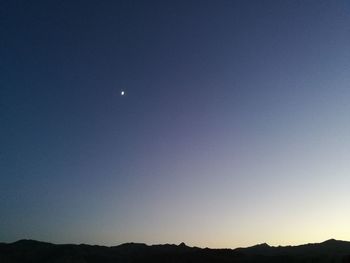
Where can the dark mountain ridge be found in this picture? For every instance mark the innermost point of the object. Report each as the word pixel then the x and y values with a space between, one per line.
pixel 28 251
pixel 330 246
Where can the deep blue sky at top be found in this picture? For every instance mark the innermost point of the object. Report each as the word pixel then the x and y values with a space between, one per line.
pixel 211 86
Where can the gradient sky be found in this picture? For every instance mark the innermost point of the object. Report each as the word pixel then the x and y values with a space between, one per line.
pixel 235 127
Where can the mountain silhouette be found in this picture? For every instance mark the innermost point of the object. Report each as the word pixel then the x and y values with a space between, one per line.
pixel 30 251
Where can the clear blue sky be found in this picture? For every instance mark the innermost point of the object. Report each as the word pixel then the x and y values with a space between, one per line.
pixel 234 128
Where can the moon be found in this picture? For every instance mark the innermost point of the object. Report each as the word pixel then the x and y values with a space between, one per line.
pixel 122 93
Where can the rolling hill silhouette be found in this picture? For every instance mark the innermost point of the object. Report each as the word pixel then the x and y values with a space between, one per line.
pixel 30 251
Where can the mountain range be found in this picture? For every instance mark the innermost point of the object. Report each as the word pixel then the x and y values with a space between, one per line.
pixel 31 251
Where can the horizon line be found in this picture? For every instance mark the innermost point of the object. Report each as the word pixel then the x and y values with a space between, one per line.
pixel 172 244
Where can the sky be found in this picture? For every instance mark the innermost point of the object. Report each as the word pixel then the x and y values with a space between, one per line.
pixel 234 128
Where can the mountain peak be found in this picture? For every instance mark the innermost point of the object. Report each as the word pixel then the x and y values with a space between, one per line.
pixel 28 242
pixel 262 245
pixel 332 240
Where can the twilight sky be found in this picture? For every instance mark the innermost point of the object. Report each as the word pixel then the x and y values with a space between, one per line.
pixel 234 130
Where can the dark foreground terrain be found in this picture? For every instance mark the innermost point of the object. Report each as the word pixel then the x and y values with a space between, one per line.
pixel 25 251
